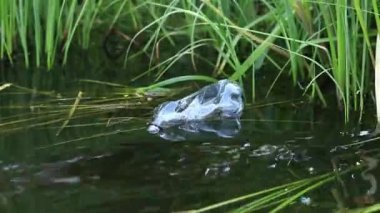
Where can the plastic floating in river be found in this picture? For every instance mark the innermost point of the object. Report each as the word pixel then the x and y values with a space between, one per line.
pixel 228 128
pixel 215 108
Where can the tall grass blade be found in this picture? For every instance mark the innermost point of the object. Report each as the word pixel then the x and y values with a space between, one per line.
pixel 88 21
pixel 376 12
pixel 363 25
pixel 342 71
pixel 37 30
pixel 22 25
pixel 377 78
pixel 7 26
pixel 72 30
pixel 50 32
pixel 256 54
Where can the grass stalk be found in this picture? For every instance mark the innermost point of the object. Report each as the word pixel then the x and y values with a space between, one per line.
pixel 36 4
pixel 377 78
pixel 308 40
pixel 72 28
pixel 22 25
pixel 71 113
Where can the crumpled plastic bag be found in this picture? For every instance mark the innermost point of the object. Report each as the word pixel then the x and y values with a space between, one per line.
pixel 214 108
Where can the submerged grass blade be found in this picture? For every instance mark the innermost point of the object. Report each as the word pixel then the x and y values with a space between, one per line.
pixel 27 90
pixel 180 79
pixel 102 83
pixel 71 112
pixel 92 137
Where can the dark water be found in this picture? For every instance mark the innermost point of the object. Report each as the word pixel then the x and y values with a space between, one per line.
pixel 105 161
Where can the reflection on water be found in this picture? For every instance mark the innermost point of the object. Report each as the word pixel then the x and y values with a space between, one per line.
pixel 161 176
pixel 226 128
pixel 367 175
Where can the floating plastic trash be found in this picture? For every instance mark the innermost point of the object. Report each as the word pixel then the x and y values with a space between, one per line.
pixel 198 130
pixel 215 108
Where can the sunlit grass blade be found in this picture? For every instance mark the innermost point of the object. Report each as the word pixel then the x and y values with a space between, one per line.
pixel 363 24
pixel 263 47
pixel 4 86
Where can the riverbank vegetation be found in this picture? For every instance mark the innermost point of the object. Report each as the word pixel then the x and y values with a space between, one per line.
pixel 317 44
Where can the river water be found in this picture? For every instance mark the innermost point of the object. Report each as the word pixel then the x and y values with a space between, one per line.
pixel 102 159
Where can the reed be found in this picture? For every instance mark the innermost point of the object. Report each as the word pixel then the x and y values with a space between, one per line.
pixel 42 30
pixel 313 42
pixel 377 79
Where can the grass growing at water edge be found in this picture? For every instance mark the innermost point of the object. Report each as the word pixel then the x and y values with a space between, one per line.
pixel 313 41
pixel 309 41
pixel 43 30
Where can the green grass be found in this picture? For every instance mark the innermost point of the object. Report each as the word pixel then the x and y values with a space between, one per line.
pixel 377 78
pixel 313 38
pixel 46 29
pixel 314 43
pixel 277 198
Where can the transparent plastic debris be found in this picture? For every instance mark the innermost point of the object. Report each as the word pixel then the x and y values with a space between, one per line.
pixel 198 130
pixel 215 108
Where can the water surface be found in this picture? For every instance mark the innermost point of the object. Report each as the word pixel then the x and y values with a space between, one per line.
pixel 105 161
